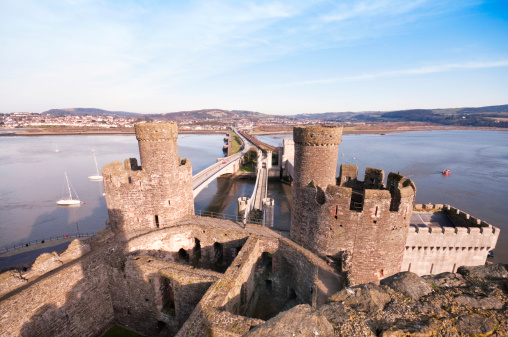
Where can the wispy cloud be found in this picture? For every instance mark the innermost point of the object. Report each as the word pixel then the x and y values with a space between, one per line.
pixel 406 72
pixel 119 50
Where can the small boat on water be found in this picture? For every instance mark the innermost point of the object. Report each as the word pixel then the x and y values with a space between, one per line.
pixel 445 172
pixel 96 176
pixel 70 201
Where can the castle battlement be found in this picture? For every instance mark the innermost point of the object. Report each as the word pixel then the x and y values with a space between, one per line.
pixel 442 237
pixel 317 135
pixel 361 221
pixel 438 230
pixel 155 194
pixel 133 176
pixel 365 225
pixel 156 132
pixel 459 218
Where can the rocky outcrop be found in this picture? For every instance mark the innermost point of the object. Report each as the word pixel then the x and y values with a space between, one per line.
pixel 448 304
pixel 409 284
pixel 489 272
pixel 299 321
pixel 366 297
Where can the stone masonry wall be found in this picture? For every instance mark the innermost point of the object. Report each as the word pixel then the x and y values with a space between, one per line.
pixel 316 153
pixel 72 300
pixel 156 194
pixel 363 229
pixel 436 249
pixel 166 244
pixel 141 302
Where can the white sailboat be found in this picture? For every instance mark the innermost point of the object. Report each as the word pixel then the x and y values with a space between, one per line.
pixel 56 148
pixel 96 176
pixel 70 201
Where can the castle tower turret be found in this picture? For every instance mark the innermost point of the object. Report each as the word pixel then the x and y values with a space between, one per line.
pixel 316 154
pixel 156 194
pixel 157 147
pixel 362 225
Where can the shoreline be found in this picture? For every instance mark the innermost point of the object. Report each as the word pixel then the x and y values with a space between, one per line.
pixel 346 131
pixel 13 133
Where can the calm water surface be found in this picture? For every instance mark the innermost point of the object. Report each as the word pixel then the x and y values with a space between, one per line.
pixel 32 180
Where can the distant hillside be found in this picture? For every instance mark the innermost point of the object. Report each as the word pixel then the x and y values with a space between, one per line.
pixel 90 111
pixel 488 116
pixel 486 109
pixel 204 114
pixel 213 114
pixel 326 115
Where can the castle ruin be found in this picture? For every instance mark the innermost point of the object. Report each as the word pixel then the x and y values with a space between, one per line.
pixel 153 195
pixel 159 270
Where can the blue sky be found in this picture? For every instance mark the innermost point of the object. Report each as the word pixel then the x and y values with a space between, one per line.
pixel 275 57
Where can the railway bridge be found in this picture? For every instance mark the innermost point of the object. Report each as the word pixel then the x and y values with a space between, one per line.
pixel 257 206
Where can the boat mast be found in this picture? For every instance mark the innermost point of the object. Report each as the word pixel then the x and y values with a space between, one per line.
pixel 68 186
pixel 96 165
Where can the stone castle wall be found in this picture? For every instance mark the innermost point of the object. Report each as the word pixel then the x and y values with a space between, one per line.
pixel 433 249
pixel 72 300
pixel 364 229
pixel 361 224
pixel 316 153
pixel 155 194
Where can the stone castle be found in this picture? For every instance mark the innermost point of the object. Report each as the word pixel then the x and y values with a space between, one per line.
pixel 161 271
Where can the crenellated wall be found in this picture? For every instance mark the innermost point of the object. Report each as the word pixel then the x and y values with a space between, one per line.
pixel 364 229
pixel 155 194
pixel 433 249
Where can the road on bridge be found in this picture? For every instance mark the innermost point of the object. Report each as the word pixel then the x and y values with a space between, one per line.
pixel 204 177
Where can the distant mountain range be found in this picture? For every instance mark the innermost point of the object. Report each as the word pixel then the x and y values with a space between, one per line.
pixel 496 115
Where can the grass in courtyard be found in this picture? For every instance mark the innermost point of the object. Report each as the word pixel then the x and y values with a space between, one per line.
pixel 118 331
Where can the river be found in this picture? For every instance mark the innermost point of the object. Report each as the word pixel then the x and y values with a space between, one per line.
pixel 32 177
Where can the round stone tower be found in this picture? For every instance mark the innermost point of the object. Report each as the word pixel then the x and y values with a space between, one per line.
pixel 156 194
pixel 157 147
pixel 316 154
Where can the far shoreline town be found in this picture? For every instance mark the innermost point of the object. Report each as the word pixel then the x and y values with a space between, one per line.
pixel 34 124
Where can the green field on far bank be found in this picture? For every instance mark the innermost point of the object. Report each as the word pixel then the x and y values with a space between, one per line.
pixel 236 144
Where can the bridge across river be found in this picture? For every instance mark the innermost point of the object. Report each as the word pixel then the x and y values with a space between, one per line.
pixel 258 205
pixel 224 165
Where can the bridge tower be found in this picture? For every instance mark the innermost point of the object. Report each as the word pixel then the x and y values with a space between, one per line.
pixel 155 194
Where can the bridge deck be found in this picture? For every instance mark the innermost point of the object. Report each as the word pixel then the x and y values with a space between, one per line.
pixel 260 192
pixel 224 165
